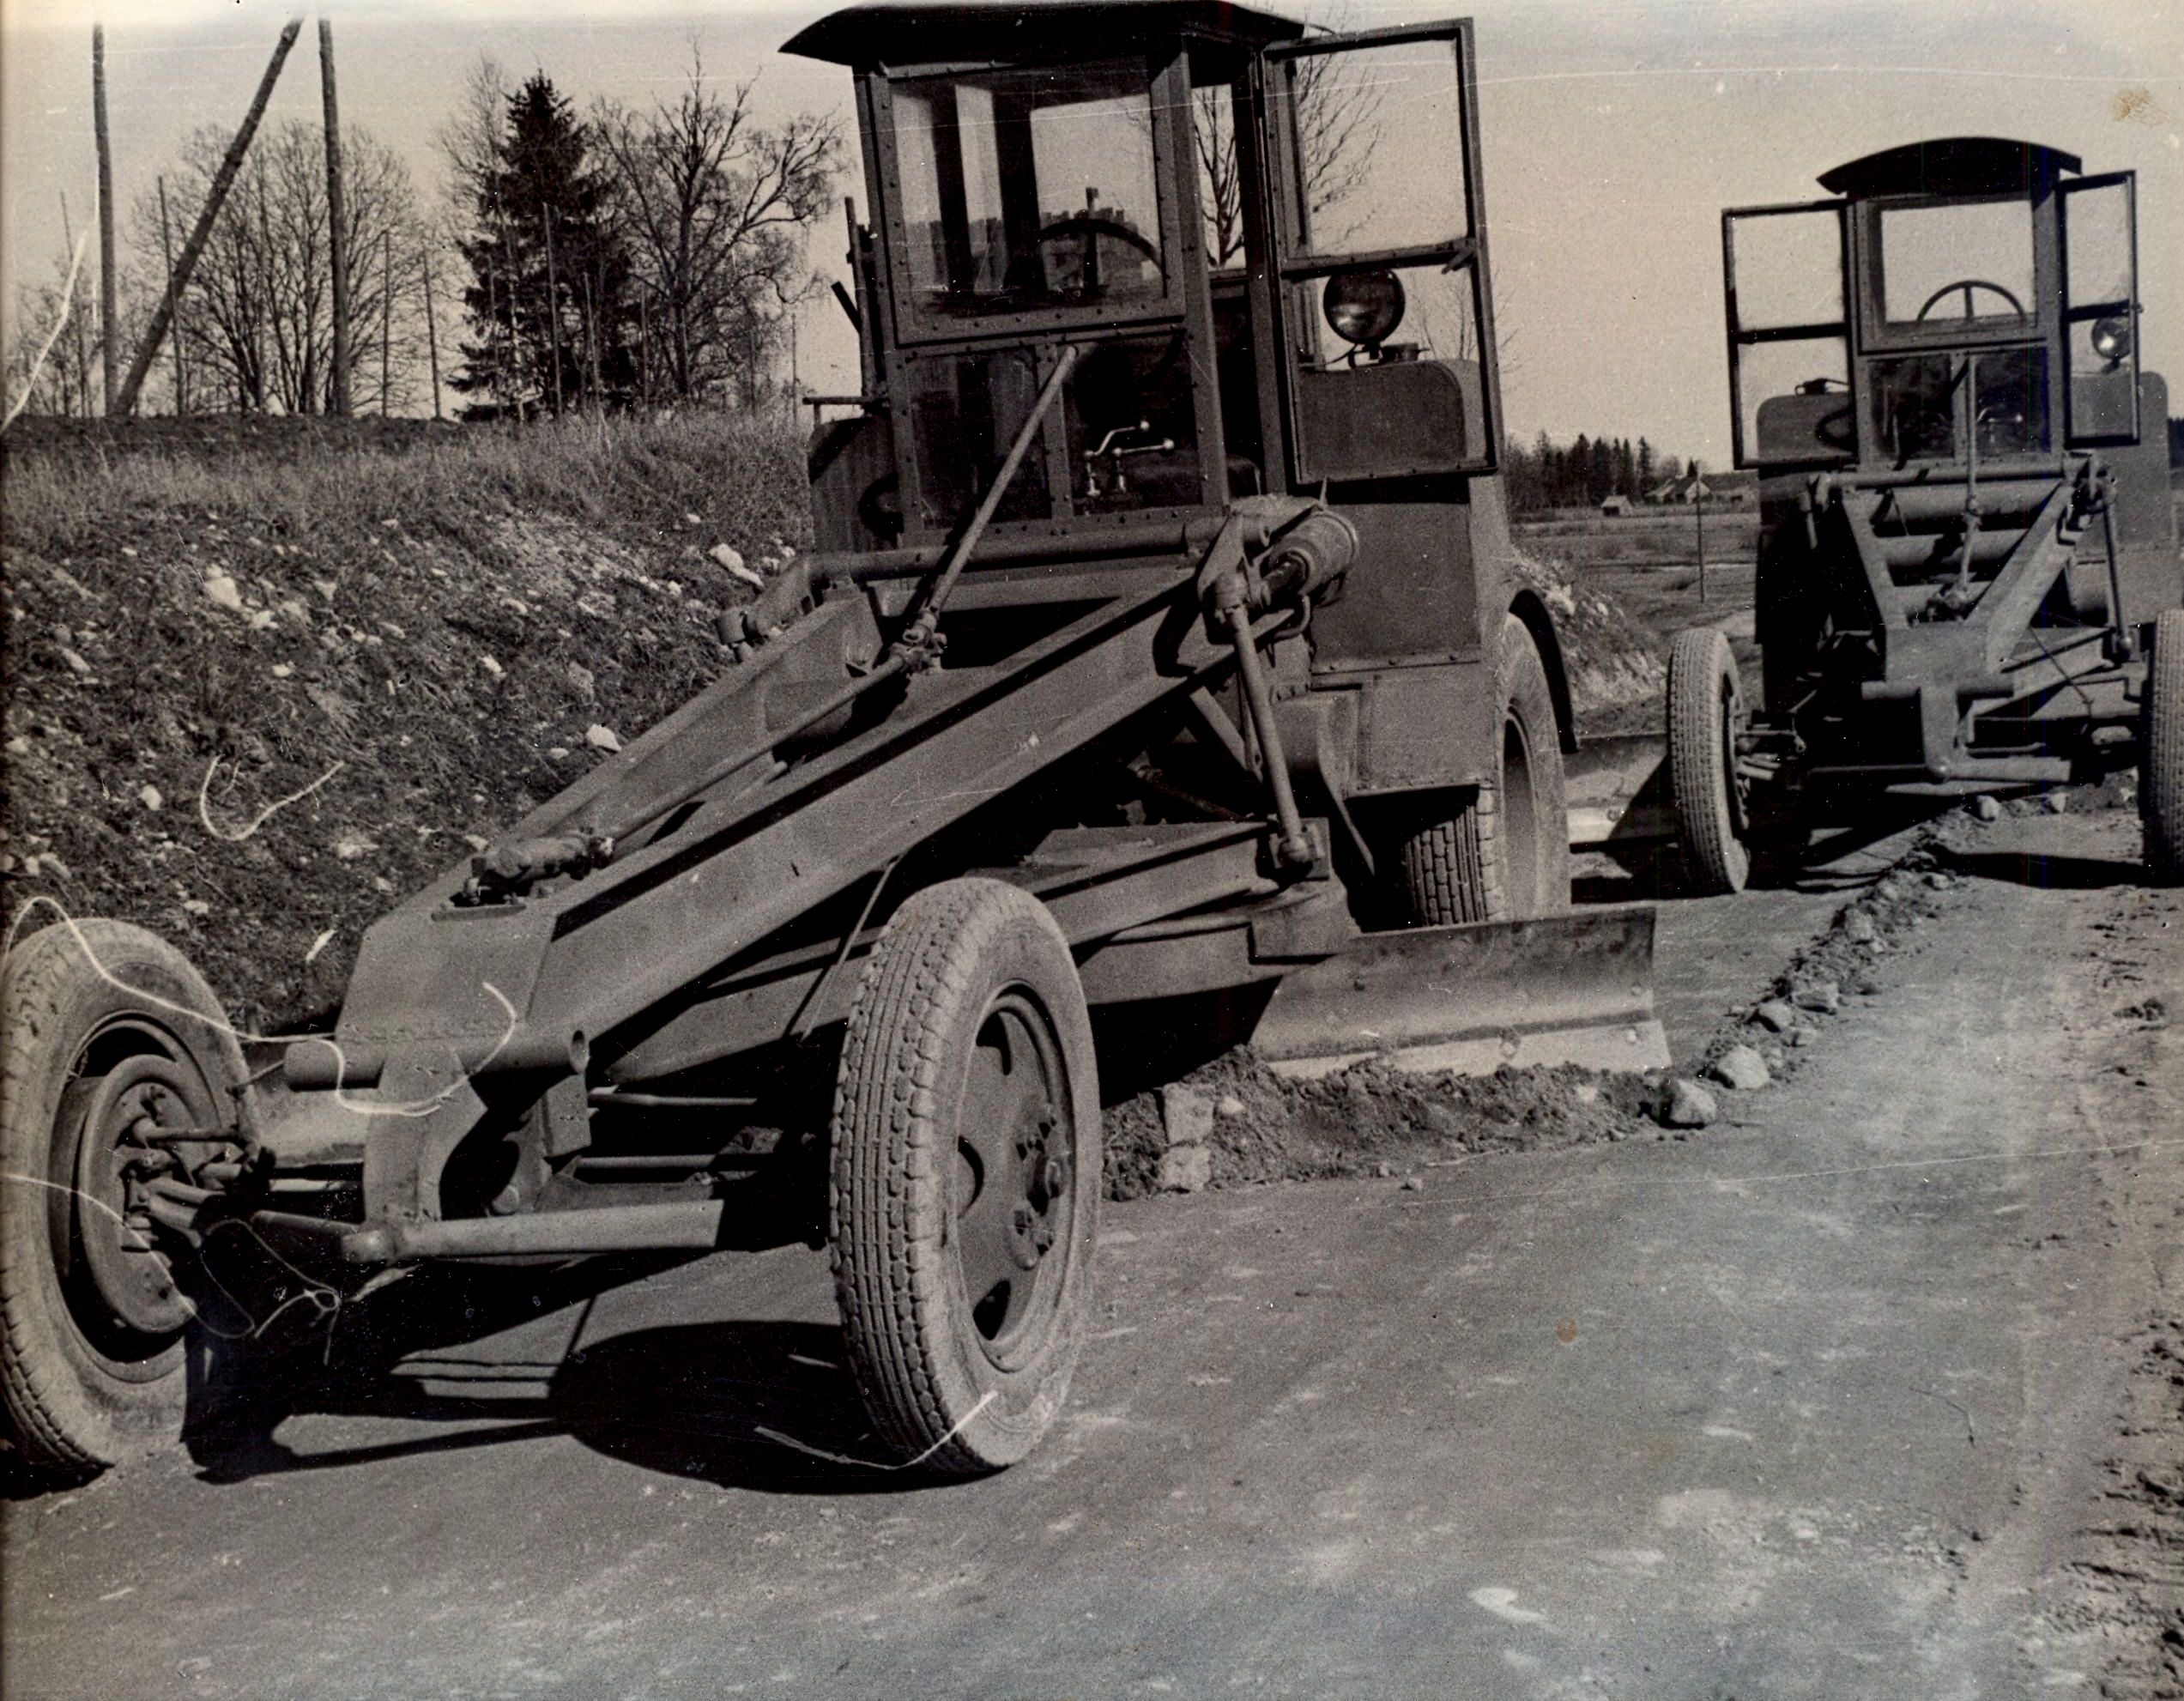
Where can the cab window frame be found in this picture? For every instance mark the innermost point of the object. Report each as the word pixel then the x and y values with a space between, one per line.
pixel 914 327
pixel 1298 271
pixel 1877 332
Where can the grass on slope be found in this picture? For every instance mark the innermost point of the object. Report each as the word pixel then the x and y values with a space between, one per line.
pixel 443 612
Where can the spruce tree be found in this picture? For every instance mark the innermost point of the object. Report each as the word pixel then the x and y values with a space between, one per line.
pixel 549 275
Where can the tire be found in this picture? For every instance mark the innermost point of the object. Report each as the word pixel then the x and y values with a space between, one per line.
pixel 1705 714
pixel 104 1023
pixel 966 1177
pixel 2161 751
pixel 1504 853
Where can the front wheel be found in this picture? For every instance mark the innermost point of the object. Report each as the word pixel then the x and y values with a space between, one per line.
pixel 1503 853
pixel 112 1045
pixel 1706 713
pixel 2161 750
pixel 966 1177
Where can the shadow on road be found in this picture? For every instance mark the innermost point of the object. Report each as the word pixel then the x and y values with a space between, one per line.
pixel 1781 861
pixel 767 1406
pixel 2052 874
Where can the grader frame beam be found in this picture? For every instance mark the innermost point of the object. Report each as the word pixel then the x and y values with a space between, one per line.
pixel 452 1004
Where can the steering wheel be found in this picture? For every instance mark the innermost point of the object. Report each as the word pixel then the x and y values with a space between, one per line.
pixel 1968 284
pixel 1093 225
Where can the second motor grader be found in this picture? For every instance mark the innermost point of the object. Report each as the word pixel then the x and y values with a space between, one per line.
pixel 1968 574
pixel 1159 654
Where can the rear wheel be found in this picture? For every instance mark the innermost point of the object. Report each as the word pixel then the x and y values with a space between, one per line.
pixel 1706 714
pixel 2161 750
pixel 109 1038
pixel 1503 853
pixel 966 1176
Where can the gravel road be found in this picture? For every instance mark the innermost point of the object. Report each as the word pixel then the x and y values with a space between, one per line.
pixel 1870 1390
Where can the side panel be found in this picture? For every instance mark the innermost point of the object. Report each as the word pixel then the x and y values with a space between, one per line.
pixel 2146 513
pixel 857 499
pixel 1414 592
pixel 1421 728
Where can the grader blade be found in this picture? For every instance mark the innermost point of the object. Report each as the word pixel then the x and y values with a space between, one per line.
pixel 1568 989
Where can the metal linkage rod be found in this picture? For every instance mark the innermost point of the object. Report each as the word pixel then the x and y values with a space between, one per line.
pixel 911 650
pixel 919 634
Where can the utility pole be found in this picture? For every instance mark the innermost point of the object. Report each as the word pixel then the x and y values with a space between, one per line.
pixel 1698 513
pixel 125 403
pixel 109 289
pixel 386 314
pixel 337 219
pixel 432 332
pixel 181 373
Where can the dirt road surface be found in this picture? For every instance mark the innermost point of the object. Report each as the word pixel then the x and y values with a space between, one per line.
pixel 1873 1390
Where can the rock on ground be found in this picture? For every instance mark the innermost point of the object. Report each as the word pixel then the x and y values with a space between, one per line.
pixel 1186 1115
pixel 1742 1068
pixel 1186 1169
pixel 1775 1015
pixel 1689 1106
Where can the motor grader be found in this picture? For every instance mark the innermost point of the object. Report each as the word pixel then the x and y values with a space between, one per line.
pixel 1158 658
pixel 1968 576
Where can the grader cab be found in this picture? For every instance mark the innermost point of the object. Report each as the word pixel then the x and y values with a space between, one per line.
pixel 1968 574
pixel 1158 658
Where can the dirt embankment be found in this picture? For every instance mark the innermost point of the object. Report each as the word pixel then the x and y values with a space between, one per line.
pixel 412 630
pixel 1616 664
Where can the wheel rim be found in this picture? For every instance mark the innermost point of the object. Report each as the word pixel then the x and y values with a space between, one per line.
pixel 1015 1178
pixel 1734 786
pixel 1521 818
pixel 131 1079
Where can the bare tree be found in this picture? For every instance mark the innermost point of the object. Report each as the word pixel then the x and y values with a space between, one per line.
pixel 59 308
pixel 1220 181
pixel 715 208
pixel 257 315
pixel 469 140
pixel 1340 106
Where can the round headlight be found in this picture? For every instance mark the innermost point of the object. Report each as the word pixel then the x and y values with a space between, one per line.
pixel 1363 307
pixel 2112 336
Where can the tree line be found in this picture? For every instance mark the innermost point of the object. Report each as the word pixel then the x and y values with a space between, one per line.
pixel 616 257
pixel 1585 472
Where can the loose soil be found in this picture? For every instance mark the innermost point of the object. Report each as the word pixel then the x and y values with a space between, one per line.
pixel 1371 1119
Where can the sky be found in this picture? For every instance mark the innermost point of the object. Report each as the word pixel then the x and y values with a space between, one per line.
pixel 1613 132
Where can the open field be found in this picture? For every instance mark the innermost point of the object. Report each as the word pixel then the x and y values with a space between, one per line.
pixel 1648 562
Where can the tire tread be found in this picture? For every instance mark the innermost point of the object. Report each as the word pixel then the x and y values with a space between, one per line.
pixel 2161 778
pixel 890 1136
pixel 1714 859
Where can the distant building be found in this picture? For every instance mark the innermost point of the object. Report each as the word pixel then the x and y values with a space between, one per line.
pixel 1718 490
pixel 1616 504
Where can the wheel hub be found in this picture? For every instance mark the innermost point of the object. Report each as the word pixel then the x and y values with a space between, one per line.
pixel 116 1154
pixel 1012 1176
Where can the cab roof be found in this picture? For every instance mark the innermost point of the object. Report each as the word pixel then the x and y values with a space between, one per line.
pixel 1953 164
pixel 883 34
